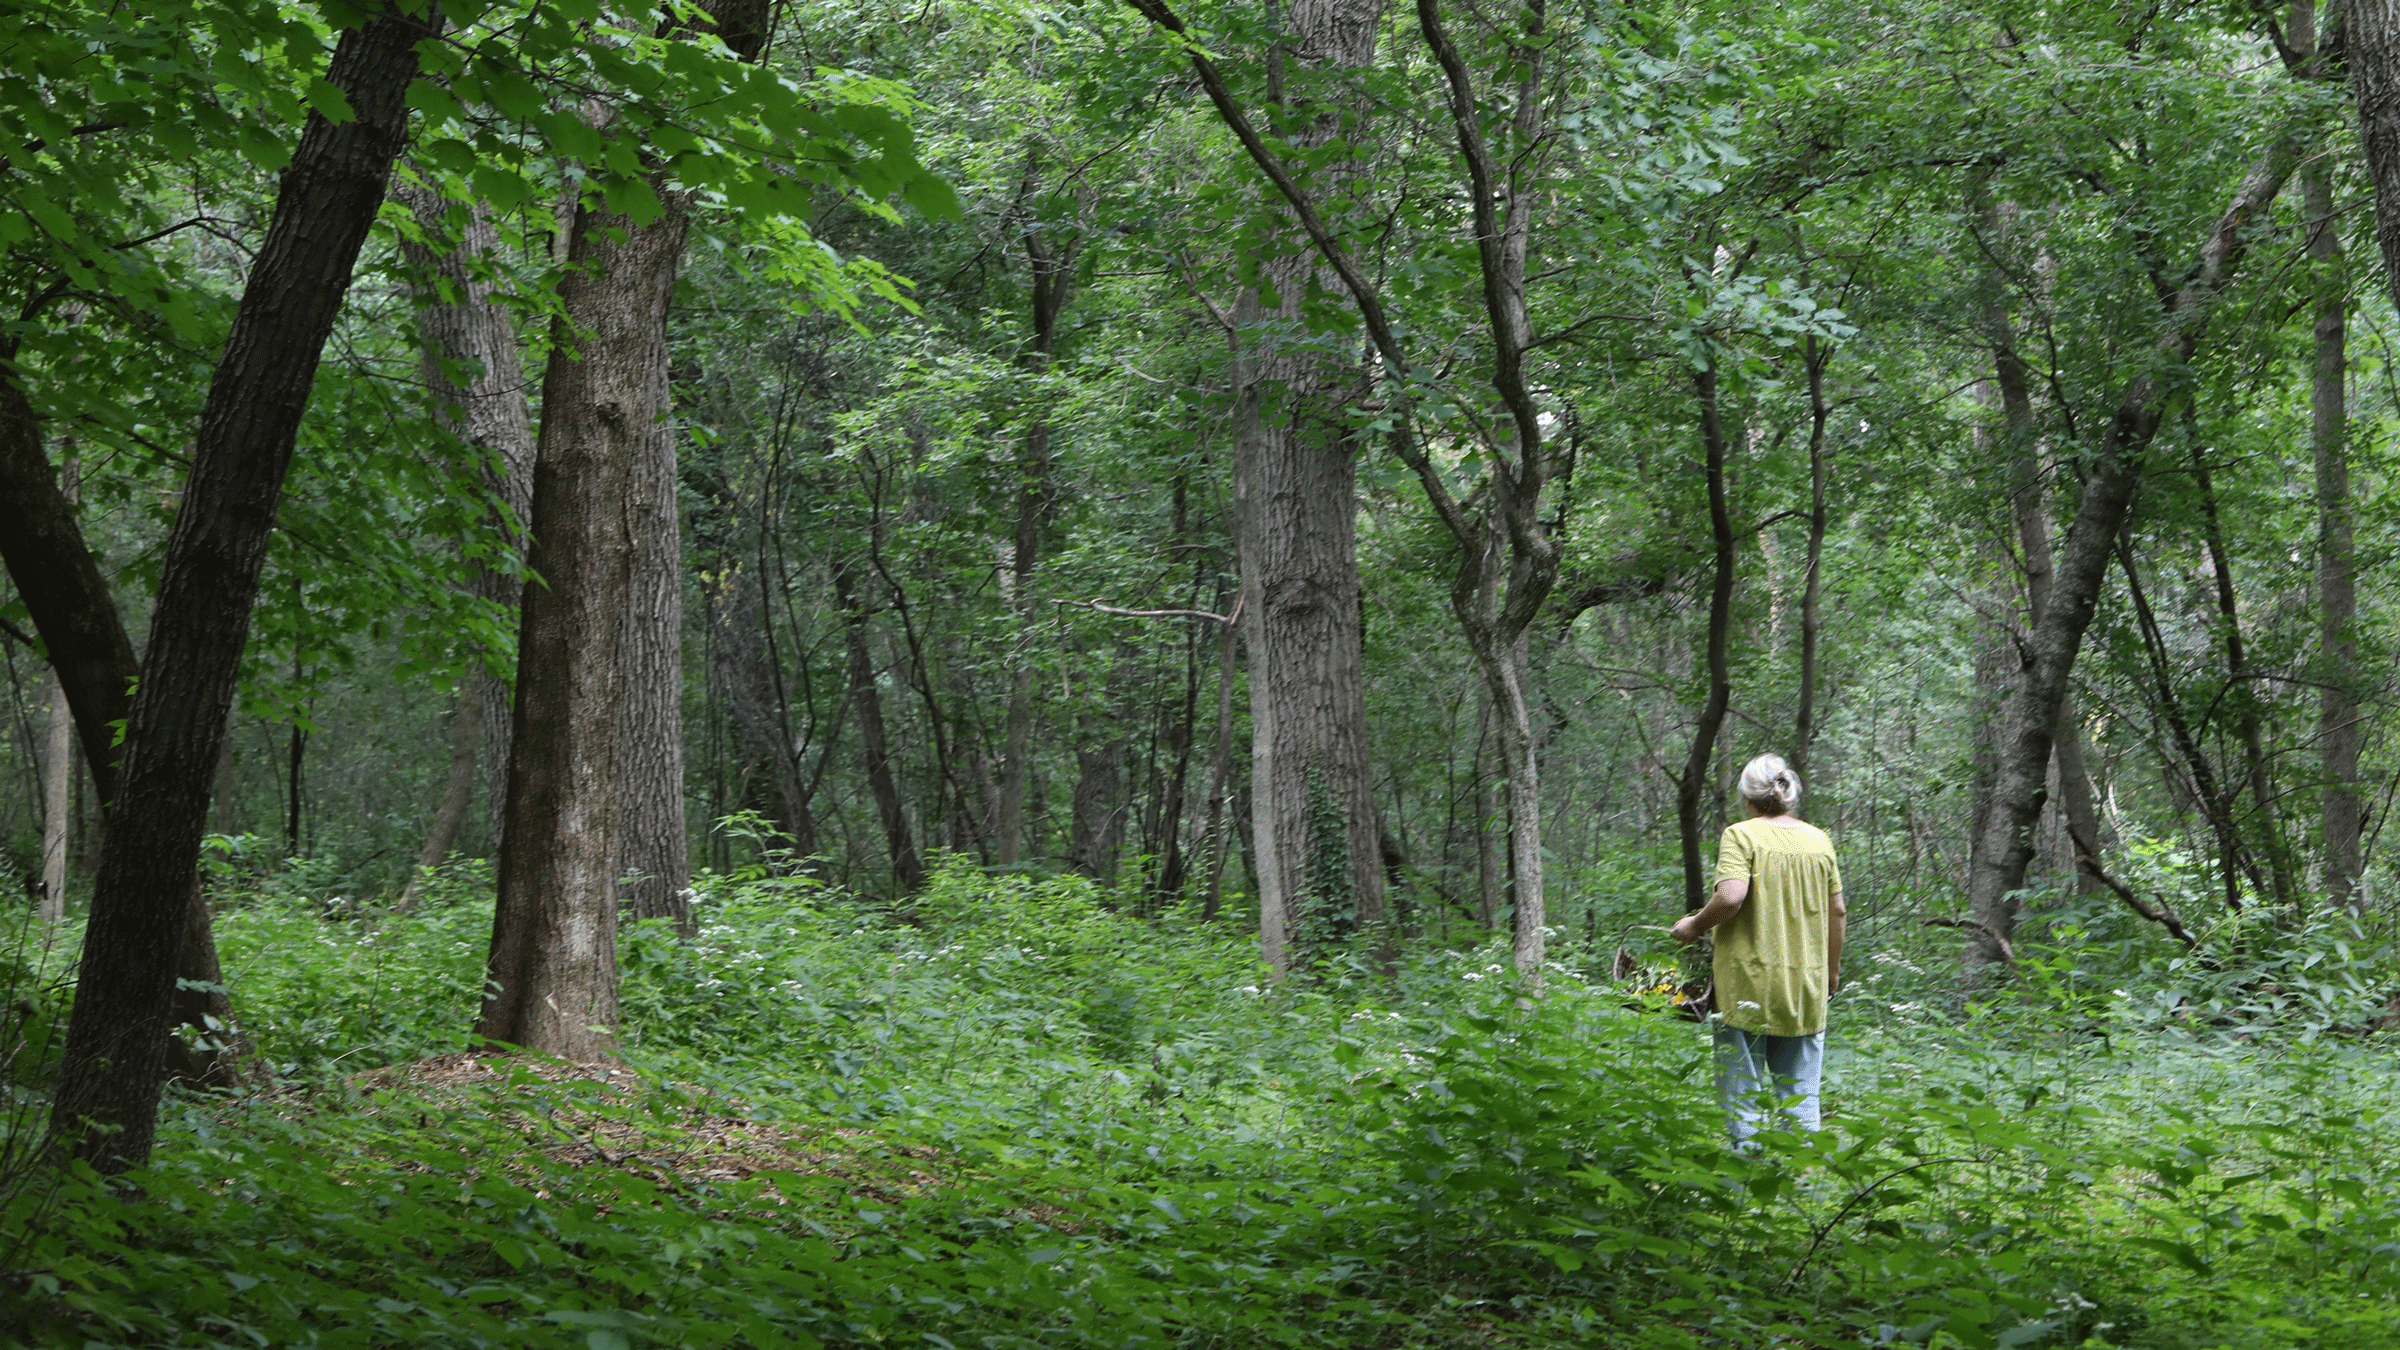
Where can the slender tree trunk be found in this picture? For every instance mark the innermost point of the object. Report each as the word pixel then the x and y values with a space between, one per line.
pixel 1804 722
pixel 2005 845
pixel 295 756
pixel 907 868
pixel 1097 832
pixel 2240 694
pixel 117 1039
pixel 2215 799
pixel 1690 787
pixel 1173 863
pixel 745 661
pixel 2338 726
pixel 1487 807
pixel 58 768
pixel 1052 271
pixel 1220 774
pixel 551 977
pixel 2030 506
pixel 458 792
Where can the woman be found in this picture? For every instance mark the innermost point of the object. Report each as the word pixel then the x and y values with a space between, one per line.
pixel 1778 908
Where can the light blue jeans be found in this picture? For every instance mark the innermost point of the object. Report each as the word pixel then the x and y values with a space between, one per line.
pixel 1750 1063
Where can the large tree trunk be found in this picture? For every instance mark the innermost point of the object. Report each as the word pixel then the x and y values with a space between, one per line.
pixel 1296 506
pixel 2371 39
pixel 491 415
pixel 551 978
pixel 653 846
pixel 117 1037
pixel 2004 845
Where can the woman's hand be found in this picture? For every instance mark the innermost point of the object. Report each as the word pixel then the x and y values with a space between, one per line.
pixel 1687 929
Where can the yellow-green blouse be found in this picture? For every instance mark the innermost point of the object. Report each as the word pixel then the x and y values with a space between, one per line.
pixel 1770 961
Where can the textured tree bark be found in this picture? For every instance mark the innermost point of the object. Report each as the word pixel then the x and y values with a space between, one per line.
pixel 551 977
pixel 42 544
pixel 1296 533
pixel 654 848
pixel 1295 502
pixel 654 857
pixel 2004 845
pixel 1690 787
pixel 117 1039
pixel 464 327
pixel 2371 42
pixel 58 768
pixel 92 662
pixel 907 868
pixel 1991 935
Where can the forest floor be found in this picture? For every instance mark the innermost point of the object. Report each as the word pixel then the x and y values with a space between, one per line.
pixel 1030 1120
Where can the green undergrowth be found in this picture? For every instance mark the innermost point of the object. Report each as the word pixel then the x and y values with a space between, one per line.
pixel 1012 1117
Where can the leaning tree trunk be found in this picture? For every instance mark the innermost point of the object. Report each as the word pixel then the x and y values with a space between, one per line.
pixel 2004 845
pixel 491 415
pixel 93 665
pixel 117 1039
pixel 1991 936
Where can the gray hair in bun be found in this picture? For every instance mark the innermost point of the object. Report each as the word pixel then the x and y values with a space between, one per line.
pixel 1770 785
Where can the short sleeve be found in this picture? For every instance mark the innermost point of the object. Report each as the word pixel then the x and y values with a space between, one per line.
pixel 1836 860
pixel 1734 855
